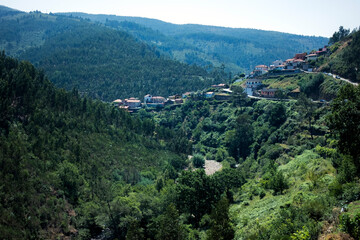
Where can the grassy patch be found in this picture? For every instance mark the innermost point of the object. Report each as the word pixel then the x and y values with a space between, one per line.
pixel 308 175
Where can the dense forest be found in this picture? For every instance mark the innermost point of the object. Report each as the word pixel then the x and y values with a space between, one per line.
pixel 98 61
pixel 70 165
pixel 79 168
pixel 239 49
pixel 298 160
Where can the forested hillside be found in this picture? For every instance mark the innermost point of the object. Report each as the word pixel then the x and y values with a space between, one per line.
pixel 96 60
pixel 298 159
pixel 239 49
pixel 78 168
pixel 73 167
pixel 68 163
pixel 344 59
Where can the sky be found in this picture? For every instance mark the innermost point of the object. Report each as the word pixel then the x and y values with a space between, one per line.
pixel 304 17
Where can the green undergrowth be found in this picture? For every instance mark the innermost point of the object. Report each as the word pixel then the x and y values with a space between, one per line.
pixel 315 85
pixel 308 176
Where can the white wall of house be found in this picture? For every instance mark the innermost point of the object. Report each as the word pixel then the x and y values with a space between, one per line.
pixel 249 91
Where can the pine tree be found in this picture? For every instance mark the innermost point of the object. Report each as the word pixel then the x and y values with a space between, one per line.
pixel 170 227
pixel 220 225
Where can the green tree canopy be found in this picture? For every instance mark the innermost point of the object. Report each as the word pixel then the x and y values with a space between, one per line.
pixel 344 121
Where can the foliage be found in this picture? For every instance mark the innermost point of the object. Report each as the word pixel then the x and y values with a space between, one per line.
pixel 340 35
pixel 71 165
pixel 198 161
pixel 344 61
pixel 344 121
pixel 220 225
pixel 312 88
pixel 239 49
pixel 238 141
pixel 301 235
pixel 351 225
pixel 277 182
pixel 170 227
pixel 100 62
pixel 195 194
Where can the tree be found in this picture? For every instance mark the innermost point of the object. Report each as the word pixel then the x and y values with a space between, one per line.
pixel 344 121
pixel 198 161
pixel 70 180
pixel 306 107
pixel 170 226
pixel 277 115
pixel 123 212
pixel 195 194
pixel 220 224
pixel 351 58
pixel 238 141
pixel 340 35
pixel 221 154
pixel 278 182
pixel 239 97
pixel 135 232
pixel 311 87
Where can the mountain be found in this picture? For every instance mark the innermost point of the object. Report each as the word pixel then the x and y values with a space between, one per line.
pixel 239 49
pixel 100 62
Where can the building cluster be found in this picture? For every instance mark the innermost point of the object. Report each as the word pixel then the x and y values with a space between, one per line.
pixel 301 61
pixel 221 92
pixel 254 87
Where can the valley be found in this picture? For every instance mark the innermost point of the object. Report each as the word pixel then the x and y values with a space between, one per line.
pixel 131 128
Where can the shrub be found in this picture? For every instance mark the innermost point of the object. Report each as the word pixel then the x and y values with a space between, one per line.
pixel 351 226
pixel 209 156
pixel 278 183
pixel 221 155
pixel 198 161
pixel 347 171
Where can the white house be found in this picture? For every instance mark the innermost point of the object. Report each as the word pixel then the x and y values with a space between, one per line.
pixel 277 63
pixel 253 83
pixel 312 56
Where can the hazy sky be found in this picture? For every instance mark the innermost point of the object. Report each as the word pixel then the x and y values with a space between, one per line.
pixel 306 17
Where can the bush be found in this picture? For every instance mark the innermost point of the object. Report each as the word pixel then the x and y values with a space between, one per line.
pixel 262 194
pixel 347 171
pixel 351 226
pixel 221 155
pixel 209 156
pixel 198 161
pixel 278 183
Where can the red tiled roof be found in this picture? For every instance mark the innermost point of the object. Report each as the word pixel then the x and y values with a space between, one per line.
pixel 261 66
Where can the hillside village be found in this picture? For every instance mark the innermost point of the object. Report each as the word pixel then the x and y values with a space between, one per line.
pixel 301 62
pixel 252 84
pixel 219 92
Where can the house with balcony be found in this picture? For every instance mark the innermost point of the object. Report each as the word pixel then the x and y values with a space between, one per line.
pixel 132 103
pixel 251 85
pixel 154 101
